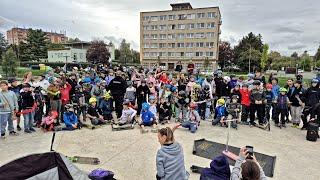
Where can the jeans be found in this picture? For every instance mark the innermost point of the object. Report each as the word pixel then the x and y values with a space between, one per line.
pixel 216 121
pixel 4 118
pixel 192 126
pixel 296 112
pixel 28 120
pixel 10 123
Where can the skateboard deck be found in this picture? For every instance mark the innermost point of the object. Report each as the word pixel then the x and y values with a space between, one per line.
pixel 84 160
pixel 116 127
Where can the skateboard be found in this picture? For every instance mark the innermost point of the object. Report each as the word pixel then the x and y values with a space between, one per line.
pixel 116 127
pixel 84 160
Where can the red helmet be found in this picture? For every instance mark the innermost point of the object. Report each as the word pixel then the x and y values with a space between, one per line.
pixel 54 114
pixel 269 86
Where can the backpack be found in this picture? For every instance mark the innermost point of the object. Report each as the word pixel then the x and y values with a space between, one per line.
pixel 101 174
pixel 312 132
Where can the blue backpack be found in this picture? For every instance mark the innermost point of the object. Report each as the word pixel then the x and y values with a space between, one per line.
pixel 101 174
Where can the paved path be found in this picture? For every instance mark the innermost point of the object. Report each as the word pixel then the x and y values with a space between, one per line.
pixel 131 155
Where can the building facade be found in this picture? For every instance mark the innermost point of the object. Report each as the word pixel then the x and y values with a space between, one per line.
pixel 69 55
pixel 183 34
pixel 17 35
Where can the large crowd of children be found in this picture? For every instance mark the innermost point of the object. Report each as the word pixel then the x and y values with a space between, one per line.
pixel 89 97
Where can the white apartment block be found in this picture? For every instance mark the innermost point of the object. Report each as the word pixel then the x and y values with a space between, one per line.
pixel 182 34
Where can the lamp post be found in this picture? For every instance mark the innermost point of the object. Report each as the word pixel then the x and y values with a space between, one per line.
pixel 249 58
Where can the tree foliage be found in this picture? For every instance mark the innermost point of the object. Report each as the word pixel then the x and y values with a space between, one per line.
pixel 226 54
pixel 125 54
pixel 53 46
pixel 36 45
pixel 9 63
pixel 98 52
pixel 317 55
pixel 3 45
pixel 264 57
pixel 250 45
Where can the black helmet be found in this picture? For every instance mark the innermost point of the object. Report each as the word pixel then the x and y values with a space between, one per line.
pixel 209 78
pixel 182 93
pixel 256 82
pixel 206 88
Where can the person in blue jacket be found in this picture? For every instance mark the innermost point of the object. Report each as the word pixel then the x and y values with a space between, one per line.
pixel 147 119
pixel 219 169
pixel 70 118
pixel 220 113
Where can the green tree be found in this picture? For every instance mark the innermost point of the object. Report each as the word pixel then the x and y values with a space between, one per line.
pixel 53 46
pixel 3 45
pixel 135 56
pixel 125 52
pixel 317 55
pixel 305 61
pixel 226 54
pixel 250 43
pixel 206 63
pixel 9 63
pixel 98 52
pixel 71 40
pixel 36 45
pixel 264 57
pixel 117 54
pixel 274 58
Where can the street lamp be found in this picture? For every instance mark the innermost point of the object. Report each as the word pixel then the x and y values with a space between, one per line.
pixel 249 58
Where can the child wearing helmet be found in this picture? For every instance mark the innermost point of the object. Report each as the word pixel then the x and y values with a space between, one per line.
pixel 93 113
pixel 312 97
pixel 70 118
pixel 194 119
pixel 269 101
pixel 282 107
pixel 164 109
pixel 105 106
pixel 147 118
pixel 128 114
pixel 220 112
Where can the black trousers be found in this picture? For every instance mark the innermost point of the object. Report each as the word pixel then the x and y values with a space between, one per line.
pixel 245 113
pixel 139 102
pixel 259 108
pixel 306 111
pixel 282 113
pixel 118 100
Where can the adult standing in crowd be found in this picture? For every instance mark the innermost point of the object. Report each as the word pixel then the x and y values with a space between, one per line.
pixel 118 88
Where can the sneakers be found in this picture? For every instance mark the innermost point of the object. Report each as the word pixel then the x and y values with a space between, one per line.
pixel 32 130
pixel 27 131
pixel 13 133
pixel 18 127
pixel 144 131
pixel 294 125
pixel 3 136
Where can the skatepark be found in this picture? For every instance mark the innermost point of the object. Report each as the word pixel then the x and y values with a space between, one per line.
pixel 131 155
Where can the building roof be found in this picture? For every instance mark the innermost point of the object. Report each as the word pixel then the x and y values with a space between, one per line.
pixel 77 43
pixel 181 6
pixel 217 7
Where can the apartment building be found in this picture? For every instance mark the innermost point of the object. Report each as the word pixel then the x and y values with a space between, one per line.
pixel 183 34
pixel 17 35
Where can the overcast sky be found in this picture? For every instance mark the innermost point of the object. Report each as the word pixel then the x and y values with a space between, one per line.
pixel 286 25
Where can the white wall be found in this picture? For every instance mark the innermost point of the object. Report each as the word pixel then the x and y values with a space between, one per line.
pixel 59 55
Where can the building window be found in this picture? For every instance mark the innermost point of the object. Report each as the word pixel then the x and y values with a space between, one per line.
pixel 199 54
pixel 146 18
pixel 189 54
pixel 172 17
pixel 171 54
pixel 182 16
pixel 181 54
pixel 181 26
pixel 154 18
pixel 162 54
pixel 190 26
pixel 200 25
pixel 171 36
pixel 154 45
pixel 210 25
pixel 209 54
pixel 154 36
pixel 153 54
pixel 209 44
pixel 189 45
pixel 146 36
pixel 162 27
pixel 154 27
pixel 162 36
pixel 146 54
pixel 210 34
pixel 146 28
pixel 146 45
pixel 171 45
pixel 200 15
pixel 191 16
pixel 198 65
pixel 163 18
pixel 199 35
pixel 171 26
pixel 180 45
pixel 189 35
pixel 180 36
pixel 162 45
pixel 211 14
pixel 199 44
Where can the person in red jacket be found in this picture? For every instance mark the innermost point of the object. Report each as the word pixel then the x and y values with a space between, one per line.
pixel 245 103
pixel 65 96
pixel 164 78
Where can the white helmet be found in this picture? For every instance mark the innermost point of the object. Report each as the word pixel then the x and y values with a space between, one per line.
pixel 227 78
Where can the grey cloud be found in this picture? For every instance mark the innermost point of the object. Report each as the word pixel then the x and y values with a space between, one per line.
pixel 285 29
pixel 297 46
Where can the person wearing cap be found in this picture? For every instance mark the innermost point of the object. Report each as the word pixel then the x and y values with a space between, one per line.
pixel 128 114
pixel 93 113
pixel 8 108
pixel 257 99
pixel 118 87
pixel 296 103
pixel 245 103
pixel 16 88
pixel 105 106
pixel 282 107
pixel 312 97
pixel 219 169
pixel 27 107
pixel 70 118
pixel 142 94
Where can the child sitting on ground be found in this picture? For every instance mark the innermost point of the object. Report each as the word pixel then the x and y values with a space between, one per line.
pixel 194 119
pixel 153 106
pixel 147 118
pixel 70 118
pixel 47 123
pixel 128 114
pixel 164 111
pixel 93 113
pixel 106 107
pixel 233 110
pixel 220 113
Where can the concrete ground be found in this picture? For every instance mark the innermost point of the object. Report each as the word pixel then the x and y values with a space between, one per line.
pixel 131 155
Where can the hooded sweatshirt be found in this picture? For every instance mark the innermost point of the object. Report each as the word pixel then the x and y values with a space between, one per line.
pixel 170 163
pixel 219 170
